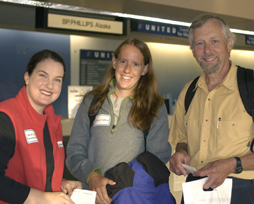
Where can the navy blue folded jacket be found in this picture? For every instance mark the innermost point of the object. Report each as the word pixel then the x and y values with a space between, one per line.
pixel 144 180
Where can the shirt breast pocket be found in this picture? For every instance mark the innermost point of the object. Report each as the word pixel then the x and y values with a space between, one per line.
pixel 234 132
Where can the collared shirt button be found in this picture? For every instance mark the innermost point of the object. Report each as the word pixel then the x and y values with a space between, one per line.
pixel 204 140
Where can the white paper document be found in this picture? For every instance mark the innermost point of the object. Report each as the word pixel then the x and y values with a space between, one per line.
pixel 190 169
pixel 81 196
pixel 193 192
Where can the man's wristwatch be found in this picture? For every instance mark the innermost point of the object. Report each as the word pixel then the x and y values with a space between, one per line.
pixel 239 167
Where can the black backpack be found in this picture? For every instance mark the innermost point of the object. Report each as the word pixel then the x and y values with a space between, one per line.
pixel 245 80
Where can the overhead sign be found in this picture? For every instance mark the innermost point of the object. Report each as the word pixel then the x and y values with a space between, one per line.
pixel 84 24
pixel 249 39
pixel 159 28
pixel 46 19
pixel 96 54
pixel 93 66
pixel 153 27
pixel 182 31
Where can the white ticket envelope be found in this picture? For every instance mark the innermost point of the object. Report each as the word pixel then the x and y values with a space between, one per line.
pixel 81 196
pixel 189 168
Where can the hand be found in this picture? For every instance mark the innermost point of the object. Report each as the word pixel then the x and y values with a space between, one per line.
pixel 37 196
pixel 217 172
pixel 67 186
pixel 179 157
pixel 98 183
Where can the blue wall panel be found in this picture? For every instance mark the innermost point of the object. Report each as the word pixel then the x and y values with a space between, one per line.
pixel 16 49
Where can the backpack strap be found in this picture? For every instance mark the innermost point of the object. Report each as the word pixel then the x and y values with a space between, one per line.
pixel 245 80
pixel 145 132
pixel 246 85
pixel 190 94
pixel 92 117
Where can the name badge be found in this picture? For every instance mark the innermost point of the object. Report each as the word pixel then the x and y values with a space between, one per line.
pixel 60 144
pixel 102 120
pixel 30 136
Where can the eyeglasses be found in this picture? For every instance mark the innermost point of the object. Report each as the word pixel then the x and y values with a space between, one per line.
pixel 134 65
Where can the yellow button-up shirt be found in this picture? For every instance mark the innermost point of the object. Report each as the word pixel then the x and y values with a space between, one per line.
pixel 216 125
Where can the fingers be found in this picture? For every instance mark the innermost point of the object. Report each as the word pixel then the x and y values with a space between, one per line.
pixel 175 166
pixel 102 197
pixel 212 183
pixel 105 196
pixel 68 200
pixel 55 198
pixel 178 170
pixel 215 174
pixel 69 189
pixel 205 171
pixel 98 183
pixel 78 185
pixel 63 190
pixel 200 173
pixel 111 183
pixel 179 157
pixel 68 186
pixel 208 184
pixel 98 198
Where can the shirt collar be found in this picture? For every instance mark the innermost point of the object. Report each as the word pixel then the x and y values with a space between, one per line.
pixel 112 84
pixel 230 81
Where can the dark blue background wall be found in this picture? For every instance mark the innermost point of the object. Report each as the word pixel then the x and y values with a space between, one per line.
pixel 16 49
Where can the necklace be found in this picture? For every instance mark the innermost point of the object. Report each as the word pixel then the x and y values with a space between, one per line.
pixel 116 95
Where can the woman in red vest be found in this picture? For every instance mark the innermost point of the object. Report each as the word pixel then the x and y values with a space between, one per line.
pixel 31 141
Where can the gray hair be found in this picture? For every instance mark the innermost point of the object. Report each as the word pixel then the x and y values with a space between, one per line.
pixel 202 19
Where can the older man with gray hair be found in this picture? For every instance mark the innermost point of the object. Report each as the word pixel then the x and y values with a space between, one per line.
pixel 215 134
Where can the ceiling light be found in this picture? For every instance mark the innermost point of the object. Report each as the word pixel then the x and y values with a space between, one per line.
pixel 123 15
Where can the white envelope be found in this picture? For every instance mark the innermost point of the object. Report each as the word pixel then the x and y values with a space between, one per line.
pixel 81 196
pixel 193 192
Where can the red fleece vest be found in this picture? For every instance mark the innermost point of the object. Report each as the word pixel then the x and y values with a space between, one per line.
pixel 28 164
